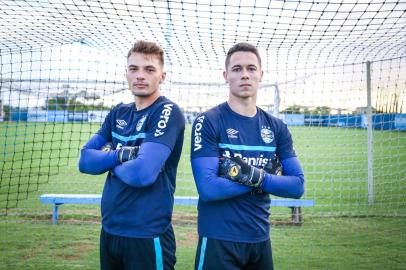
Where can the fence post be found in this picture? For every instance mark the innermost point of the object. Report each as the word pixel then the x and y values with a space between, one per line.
pixel 370 126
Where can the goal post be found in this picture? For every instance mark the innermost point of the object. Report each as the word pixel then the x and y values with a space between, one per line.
pixel 334 72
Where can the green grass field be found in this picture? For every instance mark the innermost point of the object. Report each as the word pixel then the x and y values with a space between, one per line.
pixel 342 231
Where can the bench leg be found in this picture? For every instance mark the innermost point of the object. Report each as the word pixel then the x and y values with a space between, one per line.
pixel 55 214
pixel 297 215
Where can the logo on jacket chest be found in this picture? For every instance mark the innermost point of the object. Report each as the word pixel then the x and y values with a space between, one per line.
pixel 120 123
pixel 140 123
pixel 267 135
pixel 232 133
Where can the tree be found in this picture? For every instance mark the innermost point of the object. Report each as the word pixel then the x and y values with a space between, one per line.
pixel 57 103
pixel 6 110
pixel 296 109
pixel 321 110
pixel 388 103
pixel 62 103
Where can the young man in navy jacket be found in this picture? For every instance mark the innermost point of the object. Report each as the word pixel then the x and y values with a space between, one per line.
pixel 238 153
pixel 139 145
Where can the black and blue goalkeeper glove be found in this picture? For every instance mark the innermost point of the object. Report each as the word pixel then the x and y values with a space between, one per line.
pixel 273 166
pixel 126 153
pixel 237 170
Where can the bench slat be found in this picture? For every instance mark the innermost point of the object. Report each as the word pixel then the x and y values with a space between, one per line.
pixel 71 198
pixel 59 199
pixel 179 200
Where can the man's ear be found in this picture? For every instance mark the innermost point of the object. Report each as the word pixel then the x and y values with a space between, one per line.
pixel 163 77
pixel 225 75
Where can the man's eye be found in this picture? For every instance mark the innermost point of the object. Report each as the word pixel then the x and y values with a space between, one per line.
pixel 236 69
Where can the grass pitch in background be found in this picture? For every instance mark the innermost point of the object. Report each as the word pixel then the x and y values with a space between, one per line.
pixel 321 243
pixel 342 231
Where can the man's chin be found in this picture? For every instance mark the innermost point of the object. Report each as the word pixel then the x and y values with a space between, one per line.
pixel 141 94
pixel 246 95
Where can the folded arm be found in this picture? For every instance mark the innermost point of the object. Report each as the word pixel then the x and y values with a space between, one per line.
pixel 210 186
pixel 145 168
pixel 95 161
pixel 290 184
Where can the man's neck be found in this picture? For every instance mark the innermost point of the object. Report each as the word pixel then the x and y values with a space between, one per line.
pixel 246 107
pixel 144 102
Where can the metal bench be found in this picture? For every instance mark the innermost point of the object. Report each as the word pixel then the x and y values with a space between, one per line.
pixel 59 199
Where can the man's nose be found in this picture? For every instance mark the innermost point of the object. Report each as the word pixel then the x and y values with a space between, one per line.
pixel 140 75
pixel 244 74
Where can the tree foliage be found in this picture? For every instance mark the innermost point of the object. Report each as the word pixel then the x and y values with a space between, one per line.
pixel 59 103
pixel 296 109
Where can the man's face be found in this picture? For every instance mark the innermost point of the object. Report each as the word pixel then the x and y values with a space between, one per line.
pixel 144 74
pixel 243 74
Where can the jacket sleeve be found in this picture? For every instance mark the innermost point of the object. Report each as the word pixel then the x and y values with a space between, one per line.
pixel 211 187
pixel 95 161
pixel 290 184
pixel 145 168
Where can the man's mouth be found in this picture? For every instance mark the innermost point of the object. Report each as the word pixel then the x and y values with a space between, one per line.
pixel 140 85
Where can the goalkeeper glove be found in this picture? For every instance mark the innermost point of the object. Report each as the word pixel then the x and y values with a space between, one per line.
pixel 126 153
pixel 273 166
pixel 237 170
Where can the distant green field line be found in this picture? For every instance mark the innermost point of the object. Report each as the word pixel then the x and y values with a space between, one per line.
pixel 334 162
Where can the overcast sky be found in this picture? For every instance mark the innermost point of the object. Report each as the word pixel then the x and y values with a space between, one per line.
pixel 314 52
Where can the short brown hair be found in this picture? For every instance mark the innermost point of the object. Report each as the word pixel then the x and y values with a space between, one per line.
pixel 146 47
pixel 242 47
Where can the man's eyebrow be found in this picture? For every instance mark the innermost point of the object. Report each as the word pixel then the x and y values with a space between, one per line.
pixel 145 67
pixel 249 65
pixel 135 66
